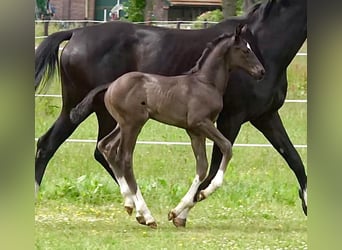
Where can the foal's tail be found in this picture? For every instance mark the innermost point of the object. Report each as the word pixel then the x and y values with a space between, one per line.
pixel 85 107
pixel 46 57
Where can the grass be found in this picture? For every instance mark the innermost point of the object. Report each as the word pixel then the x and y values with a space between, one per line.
pixel 80 207
pixel 256 207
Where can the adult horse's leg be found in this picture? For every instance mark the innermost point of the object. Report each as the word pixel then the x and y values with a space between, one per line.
pixel 273 129
pixel 179 214
pixel 48 144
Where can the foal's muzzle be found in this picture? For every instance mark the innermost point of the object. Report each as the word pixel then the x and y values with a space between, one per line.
pixel 259 73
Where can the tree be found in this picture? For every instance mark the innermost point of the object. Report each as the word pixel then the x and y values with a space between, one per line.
pixel 135 10
pixel 155 10
pixel 41 7
pixel 228 8
pixel 44 9
pixel 235 7
pixel 247 4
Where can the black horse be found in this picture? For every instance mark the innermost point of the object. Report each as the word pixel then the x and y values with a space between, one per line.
pixel 99 54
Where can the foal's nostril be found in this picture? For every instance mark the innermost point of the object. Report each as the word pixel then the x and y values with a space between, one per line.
pixel 262 72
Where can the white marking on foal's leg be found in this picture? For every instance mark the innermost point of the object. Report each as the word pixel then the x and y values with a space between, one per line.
pixel 184 214
pixel 187 201
pixel 214 184
pixel 144 215
pixel 127 195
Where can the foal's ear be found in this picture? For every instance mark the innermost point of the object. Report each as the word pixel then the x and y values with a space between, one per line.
pixel 238 31
pixel 244 28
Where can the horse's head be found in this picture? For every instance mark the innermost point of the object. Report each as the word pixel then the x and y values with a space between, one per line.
pixel 241 55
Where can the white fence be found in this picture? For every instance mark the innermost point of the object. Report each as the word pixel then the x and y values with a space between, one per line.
pixel 174 143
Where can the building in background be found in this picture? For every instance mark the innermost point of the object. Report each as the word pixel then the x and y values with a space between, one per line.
pixel 188 10
pixel 185 10
pixel 83 9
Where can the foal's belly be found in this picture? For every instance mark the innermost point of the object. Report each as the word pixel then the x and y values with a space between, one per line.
pixel 169 116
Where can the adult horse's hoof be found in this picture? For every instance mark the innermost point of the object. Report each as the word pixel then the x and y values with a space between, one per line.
pixel 304 206
pixel 201 196
pixel 178 222
pixel 152 225
pixel 129 210
pixel 141 220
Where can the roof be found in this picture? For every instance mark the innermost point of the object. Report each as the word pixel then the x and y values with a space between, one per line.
pixel 196 2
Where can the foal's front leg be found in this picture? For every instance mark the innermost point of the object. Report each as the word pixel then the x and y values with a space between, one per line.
pixel 178 215
pixel 225 146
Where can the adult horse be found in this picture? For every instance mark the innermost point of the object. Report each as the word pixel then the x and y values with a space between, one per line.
pixel 99 54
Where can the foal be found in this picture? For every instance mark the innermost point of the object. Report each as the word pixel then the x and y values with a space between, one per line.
pixel 192 101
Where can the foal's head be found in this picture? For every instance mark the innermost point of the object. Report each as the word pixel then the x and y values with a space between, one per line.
pixel 235 52
pixel 240 55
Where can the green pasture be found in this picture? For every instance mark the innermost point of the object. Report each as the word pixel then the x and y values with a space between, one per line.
pixel 80 207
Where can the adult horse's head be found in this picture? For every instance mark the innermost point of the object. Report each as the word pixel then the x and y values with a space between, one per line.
pixel 243 56
pixel 270 21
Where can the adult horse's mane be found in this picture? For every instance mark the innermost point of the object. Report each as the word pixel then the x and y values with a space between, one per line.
pixel 206 52
pixel 264 7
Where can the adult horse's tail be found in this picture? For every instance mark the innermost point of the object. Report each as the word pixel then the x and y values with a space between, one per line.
pixel 84 108
pixel 46 57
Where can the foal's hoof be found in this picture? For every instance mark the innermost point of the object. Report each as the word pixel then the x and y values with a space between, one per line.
pixel 201 196
pixel 178 222
pixel 152 225
pixel 141 220
pixel 171 215
pixel 129 210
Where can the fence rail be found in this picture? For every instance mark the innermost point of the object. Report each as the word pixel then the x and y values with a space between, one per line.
pixel 169 143
pixel 174 143
pixel 60 96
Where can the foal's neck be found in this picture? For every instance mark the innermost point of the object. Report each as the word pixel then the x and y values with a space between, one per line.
pixel 215 73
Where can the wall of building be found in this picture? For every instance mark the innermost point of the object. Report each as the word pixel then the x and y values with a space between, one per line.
pixel 73 9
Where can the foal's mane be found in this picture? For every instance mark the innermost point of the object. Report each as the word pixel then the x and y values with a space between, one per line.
pixel 206 52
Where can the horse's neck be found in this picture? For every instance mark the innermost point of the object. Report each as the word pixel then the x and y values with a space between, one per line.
pixel 278 42
pixel 215 74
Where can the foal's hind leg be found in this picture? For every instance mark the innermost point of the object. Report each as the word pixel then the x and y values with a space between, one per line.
pixel 128 140
pixel 108 146
pixel 179 214
pixel 106 124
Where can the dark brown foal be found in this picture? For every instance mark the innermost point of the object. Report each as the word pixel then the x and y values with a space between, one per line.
pixel 192 101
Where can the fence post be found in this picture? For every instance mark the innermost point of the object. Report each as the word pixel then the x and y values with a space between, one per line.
pixel 46 26
pixel 85 22
pixel 205 24
pixel 179 22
